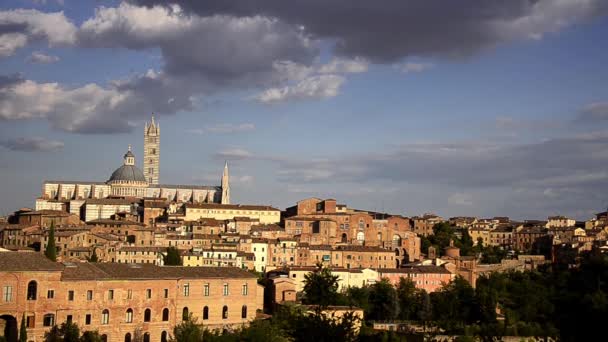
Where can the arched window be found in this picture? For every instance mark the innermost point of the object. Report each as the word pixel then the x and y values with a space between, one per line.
pixel 129 316
pixel 105 316
pixel 147 337
pixel 344 238
pixel 225 312
pixel 185 314
pixel 32 289
pixel 104 338
pixel 128 337
pixel 206 312
pixel 163 336
pixel 244 311
pixel 165 314
pixel 360 236
pixel 396 241
pixel 48 320
pixel 147 315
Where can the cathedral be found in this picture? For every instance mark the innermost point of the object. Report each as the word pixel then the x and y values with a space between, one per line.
pixel 129 181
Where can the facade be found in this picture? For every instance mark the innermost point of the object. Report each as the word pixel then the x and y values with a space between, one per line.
pixel 197 211
pixel 430 278
pixel 121 301
pixel 346 277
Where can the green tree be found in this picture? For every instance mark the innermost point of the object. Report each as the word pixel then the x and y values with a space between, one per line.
pixel 383 301
pixel 93 257
pixel 187 331
pixel 23 330
pixel 172 258
pixel 51 250
pixel 90 336
pixel 67 332
pixel 409 299
pixel 321 287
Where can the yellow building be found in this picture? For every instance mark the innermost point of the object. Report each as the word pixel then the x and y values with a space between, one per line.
pixel 346 277
pixel 197 211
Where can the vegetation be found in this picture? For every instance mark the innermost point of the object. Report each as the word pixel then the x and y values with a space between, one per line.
pixel 51 250
pixel 93 257
pixel 70 332
pixel 321 287
pixel 22 330
pixel 172 258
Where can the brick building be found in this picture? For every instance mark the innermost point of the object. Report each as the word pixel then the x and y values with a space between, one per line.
pixel 121 300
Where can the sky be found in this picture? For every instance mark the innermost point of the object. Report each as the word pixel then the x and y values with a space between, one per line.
pixel 478 107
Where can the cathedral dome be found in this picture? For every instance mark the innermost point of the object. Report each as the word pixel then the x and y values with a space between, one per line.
pixel 128 173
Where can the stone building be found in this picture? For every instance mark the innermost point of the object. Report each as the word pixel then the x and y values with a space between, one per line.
pixel 129 181
pixel 123 302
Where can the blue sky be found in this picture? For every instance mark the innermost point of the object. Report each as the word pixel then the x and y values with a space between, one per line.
pixel 416 108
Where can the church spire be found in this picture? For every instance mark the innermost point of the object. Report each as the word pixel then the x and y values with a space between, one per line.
pixel 225 185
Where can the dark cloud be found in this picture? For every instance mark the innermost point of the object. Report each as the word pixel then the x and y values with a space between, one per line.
pixel 387 31
pixel 31 144
pixel 594 112
pixel 8 27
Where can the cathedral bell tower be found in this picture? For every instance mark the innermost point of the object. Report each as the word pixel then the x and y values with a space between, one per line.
pixel 152 152
pixel 225 186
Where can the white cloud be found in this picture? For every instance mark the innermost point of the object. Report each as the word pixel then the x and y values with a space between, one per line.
pixel 315 87
pixel 30 24
pixel 40 58
pixel 411 67
pixel 234 154
pixel 461 199
pixel 346 66
pixel 224 128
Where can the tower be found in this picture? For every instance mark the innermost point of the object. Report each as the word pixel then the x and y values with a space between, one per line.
pixel 225 186
pixel 152 152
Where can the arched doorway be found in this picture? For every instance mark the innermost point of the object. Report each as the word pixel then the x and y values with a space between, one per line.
pixel 11 333
pixel 344 238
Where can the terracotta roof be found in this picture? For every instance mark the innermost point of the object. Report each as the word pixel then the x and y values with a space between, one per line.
pixel 46 212
pixel 117 222
pixel 118 271
pixel 362 249
pixel 416 269
pixel 25 261
pixel 230 206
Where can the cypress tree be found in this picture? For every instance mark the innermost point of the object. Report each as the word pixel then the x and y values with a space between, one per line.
pixel 23 330
pixel 51 251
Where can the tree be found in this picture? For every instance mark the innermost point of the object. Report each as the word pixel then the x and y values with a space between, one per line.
pixel 187 331
pixel 408 296
pixel 90 336
pixel 67 332
pixel 321 287
pixel 172 258
pixel 93 257
pixel 23 330
pixel 383 301
pixel 51 250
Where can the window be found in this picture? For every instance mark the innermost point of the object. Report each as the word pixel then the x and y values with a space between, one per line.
pixel 129 294
pixel 166 293
pixel 206 312
pixel 7 293
pixel 225 312
pixel 89 295
pixel 30 321
pixel 147 315
pixel 71 295
pixel 186 290
pixel 128 337
pixel 206 290
pixel 50 294
pixel 129 316
pixel 225 289
pixel 147 337
pixel 163 336
pixel 149 293
pixel 32 288
pixel 87 319
pixel 105 317
pixel 244 311
pixel 48 320
pixel 245 290
pixel 185 314
pixel 165 314
pixel 111 294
